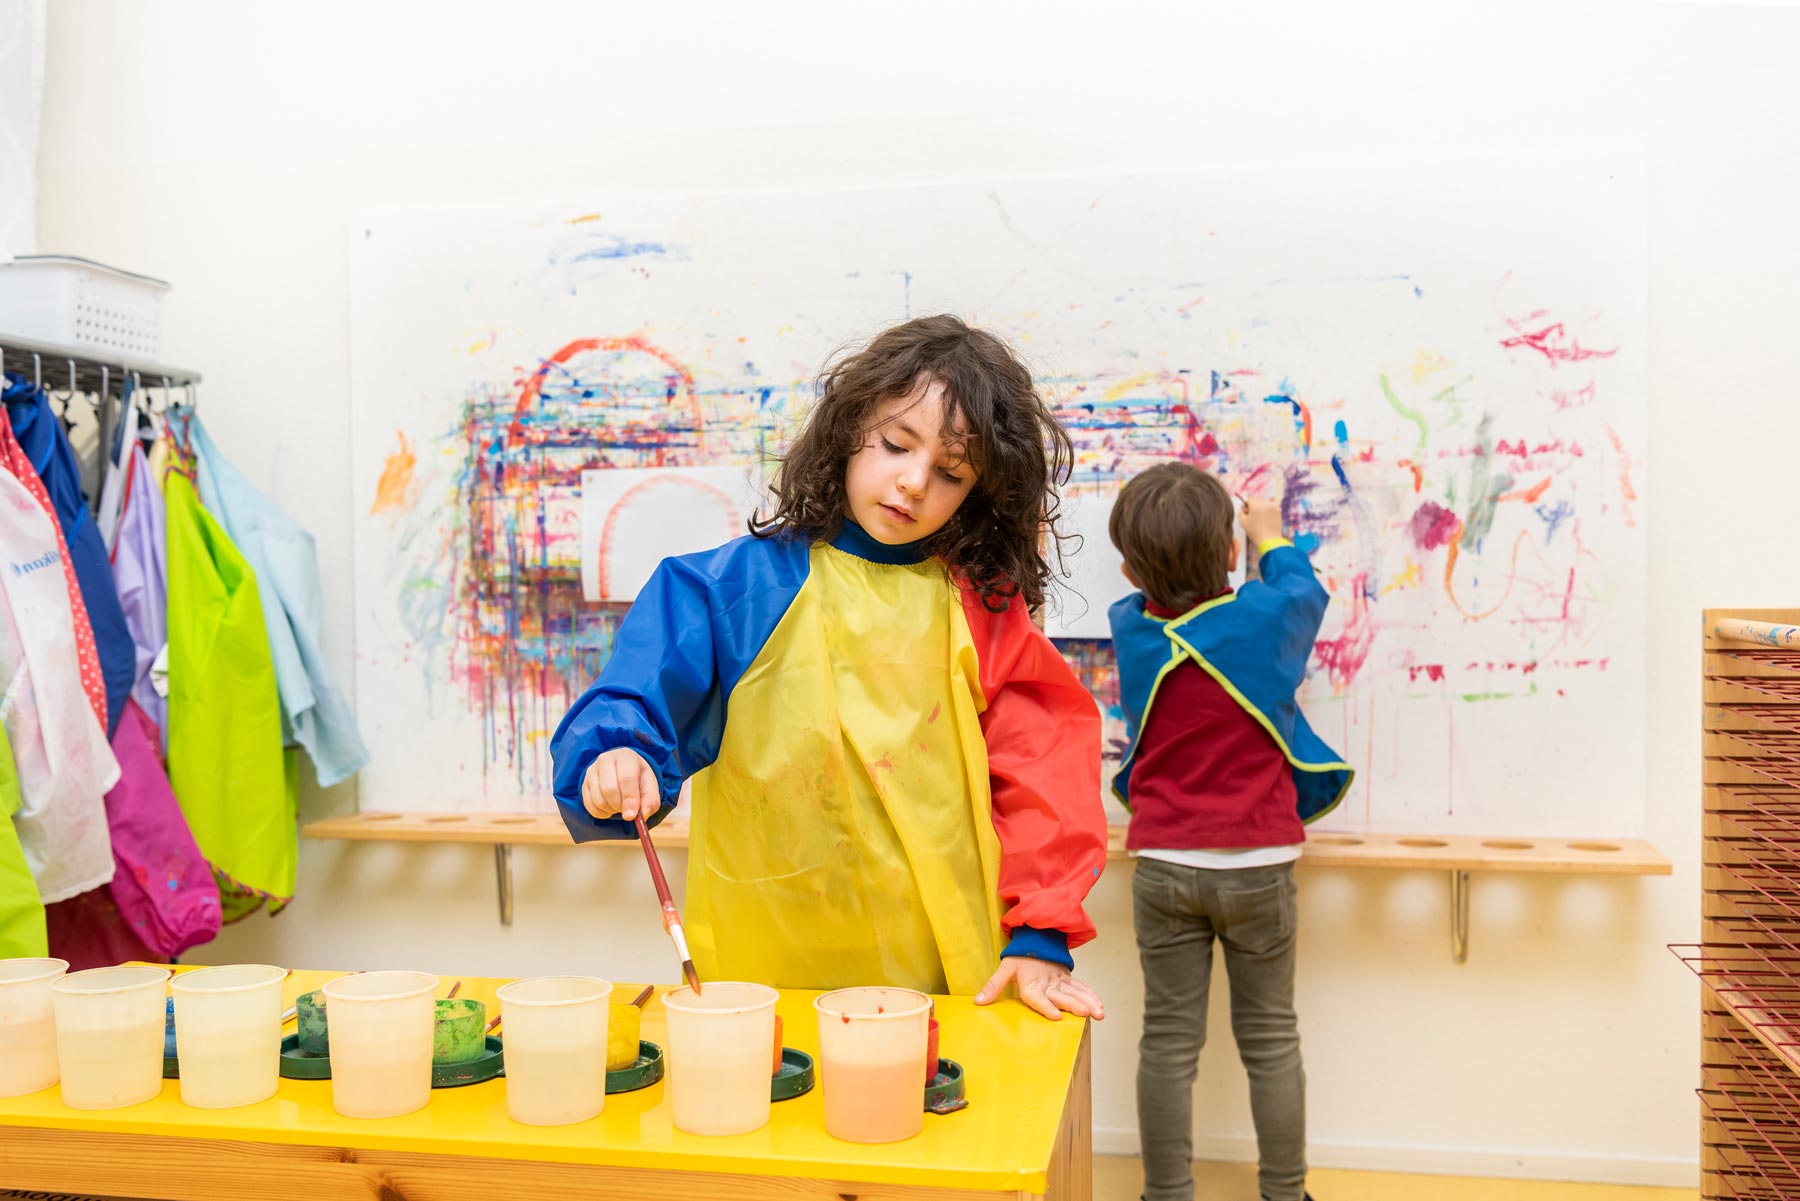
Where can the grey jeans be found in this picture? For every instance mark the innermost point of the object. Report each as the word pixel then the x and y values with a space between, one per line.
pixel 1178 912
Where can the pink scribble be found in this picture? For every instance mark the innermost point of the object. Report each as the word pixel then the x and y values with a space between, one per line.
pixel 1343 657
pixel 1433 526
pixel 1554 343
pixel 1580 398
pixel 1521 448
pixel 1431 671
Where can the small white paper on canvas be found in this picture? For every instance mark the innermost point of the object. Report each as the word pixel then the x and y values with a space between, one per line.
pixel 1078 604
pixel 1096 576
pixel 632 518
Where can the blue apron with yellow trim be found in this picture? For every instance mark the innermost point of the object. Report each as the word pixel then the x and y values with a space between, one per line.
pixel 1255 643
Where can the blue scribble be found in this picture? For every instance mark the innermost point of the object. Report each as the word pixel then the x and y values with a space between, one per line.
pixel 1307 542
pixel 1337 465
pixel 611 246
pixel 1553 516
pixel 1342 431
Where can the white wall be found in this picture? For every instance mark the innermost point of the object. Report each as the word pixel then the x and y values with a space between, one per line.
pixel 21 106
pixel 222 145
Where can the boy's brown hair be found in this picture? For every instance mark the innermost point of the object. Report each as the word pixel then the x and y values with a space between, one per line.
pixel 1174 525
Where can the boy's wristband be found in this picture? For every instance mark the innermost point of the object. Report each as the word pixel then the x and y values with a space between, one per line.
pixel 1269 544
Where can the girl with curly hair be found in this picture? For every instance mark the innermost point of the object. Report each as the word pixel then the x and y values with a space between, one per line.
pixel 895 775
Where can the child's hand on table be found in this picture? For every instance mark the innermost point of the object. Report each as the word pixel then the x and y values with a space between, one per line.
pixel 620 784
pixel 1049 988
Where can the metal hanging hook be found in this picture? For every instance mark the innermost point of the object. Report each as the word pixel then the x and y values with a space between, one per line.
pixel 75 387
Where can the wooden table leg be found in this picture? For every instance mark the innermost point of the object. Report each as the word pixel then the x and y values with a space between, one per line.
pixel 1072 1160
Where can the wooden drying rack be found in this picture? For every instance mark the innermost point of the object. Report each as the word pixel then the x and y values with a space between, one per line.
pixel 1749 956
pixel 1459 854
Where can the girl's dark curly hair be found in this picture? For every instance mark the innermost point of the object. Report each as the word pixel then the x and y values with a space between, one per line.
pixel 997 539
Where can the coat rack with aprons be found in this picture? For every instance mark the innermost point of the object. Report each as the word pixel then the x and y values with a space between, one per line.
pixel 86 371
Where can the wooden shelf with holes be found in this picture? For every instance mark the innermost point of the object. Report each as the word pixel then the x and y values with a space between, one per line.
pixel 1462 855
pixel 1452 852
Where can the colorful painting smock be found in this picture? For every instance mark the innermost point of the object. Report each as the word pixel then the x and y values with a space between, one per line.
pixel 1255 643
pixel 895 774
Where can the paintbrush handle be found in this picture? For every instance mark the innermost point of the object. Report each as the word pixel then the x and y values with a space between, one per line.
pixel 656 872
pixel 671 916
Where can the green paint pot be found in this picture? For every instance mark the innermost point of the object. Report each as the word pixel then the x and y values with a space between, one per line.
pixel 485 1066
pixel 311 1016
pixel 795 1077
pixel 459 1034
pixel 945 1092
pixel 646 1071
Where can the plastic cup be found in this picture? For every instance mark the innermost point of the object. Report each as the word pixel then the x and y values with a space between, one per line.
pixel 555 1048
pixel 109 1035
pixel 872 1044
pixel 228 1032
pixel 28 1025
pixel 381 1028
pixel 718 1053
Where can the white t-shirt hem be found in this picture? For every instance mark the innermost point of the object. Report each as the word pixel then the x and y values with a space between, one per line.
pixel 1222 860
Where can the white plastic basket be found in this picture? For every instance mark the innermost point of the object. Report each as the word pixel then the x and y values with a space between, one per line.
pixel 74 302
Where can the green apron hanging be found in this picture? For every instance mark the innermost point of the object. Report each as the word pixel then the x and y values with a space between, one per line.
pixel 21 912
pixel 224 737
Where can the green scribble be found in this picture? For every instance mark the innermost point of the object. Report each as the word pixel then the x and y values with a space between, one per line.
pixel 1448 396
pixel 1007 221
pixel 1412 415
pixel 1498 696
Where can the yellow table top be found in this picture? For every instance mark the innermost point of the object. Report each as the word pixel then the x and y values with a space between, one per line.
pixel 1018 1069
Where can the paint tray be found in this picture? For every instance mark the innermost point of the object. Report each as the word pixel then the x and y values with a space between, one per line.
pixel 297 1064
pixel 646 1071
pixel 795 1078
pixel 945 1092
pixel 485 1066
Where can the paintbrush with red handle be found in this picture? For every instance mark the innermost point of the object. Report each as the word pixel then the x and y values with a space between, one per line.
pixel 671 918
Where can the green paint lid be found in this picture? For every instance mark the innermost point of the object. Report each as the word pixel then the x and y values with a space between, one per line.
pixel 795 1078
pixel 485 1066
pixel 297 1064
pixel 944 1094
pixel 646 1071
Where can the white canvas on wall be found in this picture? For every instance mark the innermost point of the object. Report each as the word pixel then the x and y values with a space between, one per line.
pixel 1436 368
